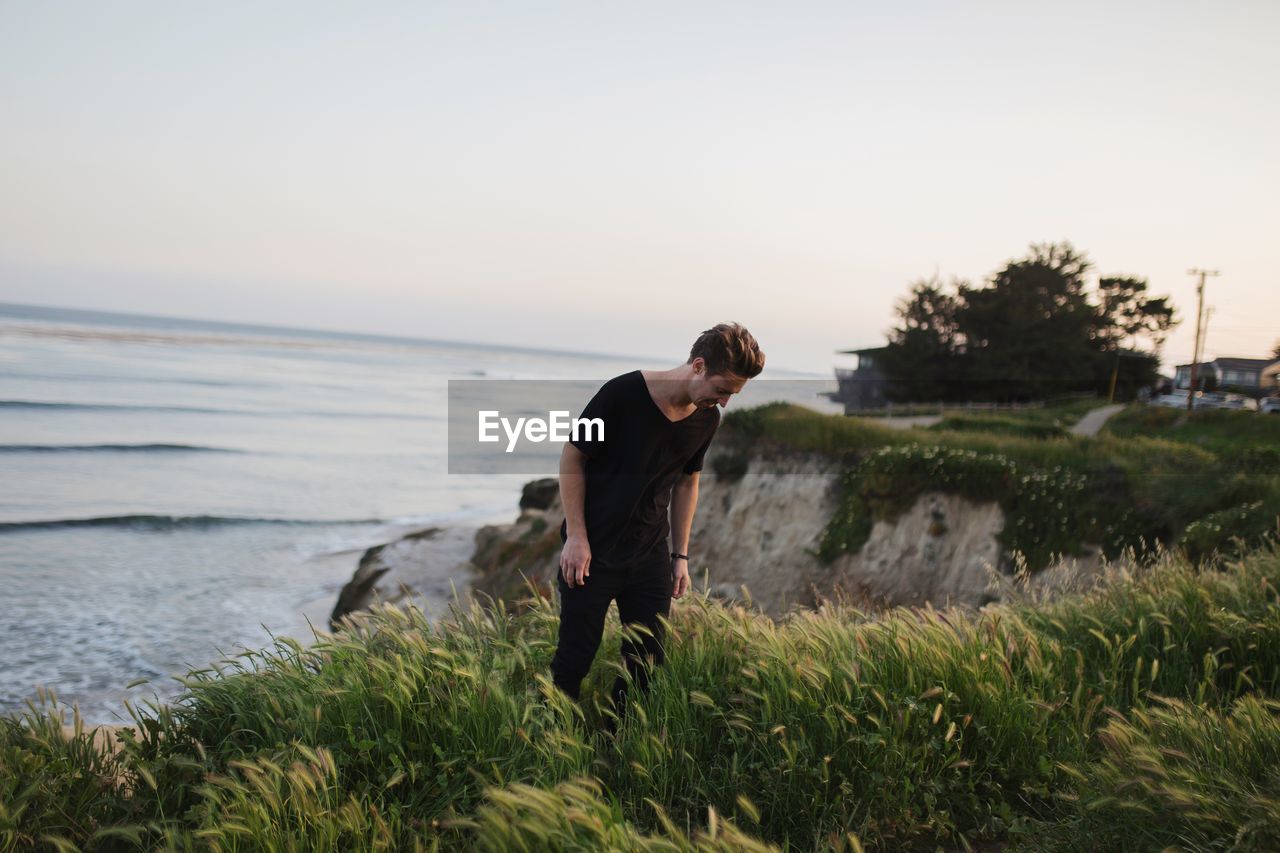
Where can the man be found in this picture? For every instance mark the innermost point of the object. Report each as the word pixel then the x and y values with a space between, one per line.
pixel 617 493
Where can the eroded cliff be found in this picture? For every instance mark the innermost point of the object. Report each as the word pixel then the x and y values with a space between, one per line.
pixel 762 509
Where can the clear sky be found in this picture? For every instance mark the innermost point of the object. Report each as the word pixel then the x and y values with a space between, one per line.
pixel 618 177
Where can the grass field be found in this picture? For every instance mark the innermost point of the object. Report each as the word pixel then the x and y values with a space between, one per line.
pixel 1050 421
pixel 1138 716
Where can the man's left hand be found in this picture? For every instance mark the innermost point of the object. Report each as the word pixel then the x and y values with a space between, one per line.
pixel 679 577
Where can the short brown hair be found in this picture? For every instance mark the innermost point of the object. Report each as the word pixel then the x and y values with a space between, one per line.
pixel 728 348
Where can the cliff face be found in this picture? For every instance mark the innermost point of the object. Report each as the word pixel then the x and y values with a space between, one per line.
pixel 761 511
pixel 758 528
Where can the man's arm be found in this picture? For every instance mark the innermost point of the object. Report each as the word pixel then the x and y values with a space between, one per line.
pixel 575 558
pixel 684 500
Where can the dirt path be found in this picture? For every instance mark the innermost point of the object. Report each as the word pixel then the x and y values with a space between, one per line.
pixel 1093 421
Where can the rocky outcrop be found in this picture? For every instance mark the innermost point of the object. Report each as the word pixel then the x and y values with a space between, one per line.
pixel 943 550
pixel 761 512
pixel 540 494
pixel 762 509
pixel 755 537
pixel 423 567
pixel 511 560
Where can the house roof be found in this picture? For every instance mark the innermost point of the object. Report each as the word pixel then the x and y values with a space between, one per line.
pixel 1235 363
pixel 861 351
pixel 1244 363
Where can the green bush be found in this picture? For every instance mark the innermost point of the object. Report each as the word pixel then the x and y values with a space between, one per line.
pixel 730 466
pixel 1045 510
pixel 1230 531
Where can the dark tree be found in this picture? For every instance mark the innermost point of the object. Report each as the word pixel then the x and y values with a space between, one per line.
pixel 924 350
pixel 1126 314
pixel 1127 318
pixel 1031 332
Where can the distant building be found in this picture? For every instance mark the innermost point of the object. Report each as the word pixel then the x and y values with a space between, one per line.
pixel 1182 375
pixel 1270 379
pixel 1245 375
pixel 863 387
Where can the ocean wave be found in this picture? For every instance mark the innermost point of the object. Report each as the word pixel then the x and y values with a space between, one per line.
pixel 113 448
pixel 127 407
pixel 181 337
pixel 149 380
pixel 100 407
pixel 171 522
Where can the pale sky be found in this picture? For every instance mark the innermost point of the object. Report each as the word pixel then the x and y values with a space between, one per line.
pixel 617 177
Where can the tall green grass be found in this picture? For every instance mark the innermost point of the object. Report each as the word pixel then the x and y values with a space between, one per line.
pixel 1176 775
pixel 1031 724
pixel 1050 421
pixel 1226 432
pixel 1245 449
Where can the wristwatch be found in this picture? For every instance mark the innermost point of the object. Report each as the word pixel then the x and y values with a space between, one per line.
pixel 684 557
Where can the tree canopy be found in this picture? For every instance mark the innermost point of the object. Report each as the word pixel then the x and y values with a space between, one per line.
pixel 1035 329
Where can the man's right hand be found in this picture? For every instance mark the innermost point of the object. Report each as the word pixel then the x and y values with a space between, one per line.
pixel 575 560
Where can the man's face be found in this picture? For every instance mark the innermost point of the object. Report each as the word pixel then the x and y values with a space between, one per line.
pixel 716 390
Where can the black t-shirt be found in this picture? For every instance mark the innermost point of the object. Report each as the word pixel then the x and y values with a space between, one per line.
pixel 631 472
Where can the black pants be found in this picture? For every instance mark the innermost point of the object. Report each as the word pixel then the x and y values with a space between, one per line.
pixel 643 589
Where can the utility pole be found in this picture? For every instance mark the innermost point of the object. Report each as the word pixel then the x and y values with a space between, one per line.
pixel 1204 334
pixel 1195 357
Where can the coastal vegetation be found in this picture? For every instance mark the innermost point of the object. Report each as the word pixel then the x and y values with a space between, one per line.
pixel 1152 478
pixel 1036 328
pixel 1140 715
pixel 1141 484
pixel 1052 420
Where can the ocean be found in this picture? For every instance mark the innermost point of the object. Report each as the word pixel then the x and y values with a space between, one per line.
pixel 178 491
